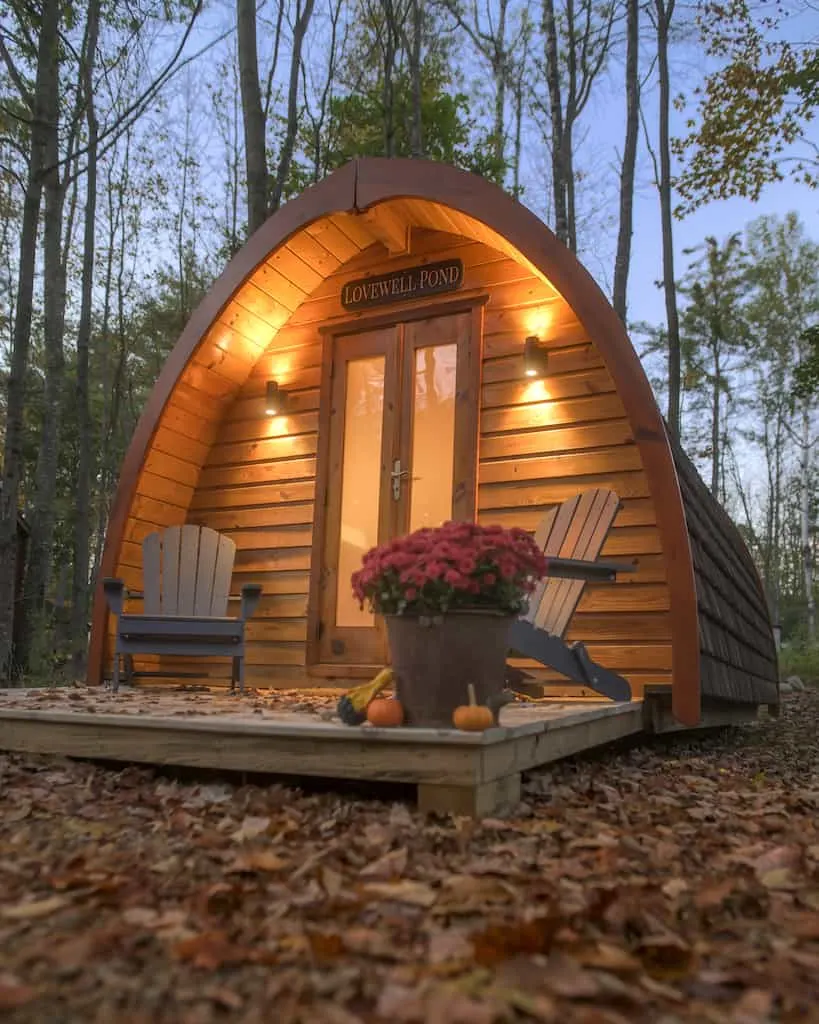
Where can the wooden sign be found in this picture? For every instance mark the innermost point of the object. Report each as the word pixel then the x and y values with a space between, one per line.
pixel 411 283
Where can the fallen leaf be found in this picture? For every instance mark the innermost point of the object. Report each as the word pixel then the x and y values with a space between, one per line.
pixel 370 942
pixel 416 894
pixel 665 955
pixel 210 951
pixel 332 882
pixel 225 997
pixel 401 1004
pixel 13 993
pixel 257 860
pixel 251 828
pixel 565 977
pixel 778 878
pixel 502 941
pixel 390 865
pixel 448 946
pixel 605 957
pixel 778 857
pixel 30 909
pixel 675 887
pixel 753 1007
pixel 17 813
pixel 715 894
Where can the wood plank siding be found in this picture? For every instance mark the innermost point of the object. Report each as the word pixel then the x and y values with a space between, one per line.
pixel 253 477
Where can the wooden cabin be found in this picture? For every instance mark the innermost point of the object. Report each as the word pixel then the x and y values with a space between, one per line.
pixel 358 371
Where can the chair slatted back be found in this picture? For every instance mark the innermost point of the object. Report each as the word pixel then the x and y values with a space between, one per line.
pixel 576 529
pixel 187 571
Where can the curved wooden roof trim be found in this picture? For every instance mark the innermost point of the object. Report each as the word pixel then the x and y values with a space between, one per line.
pixel 445 198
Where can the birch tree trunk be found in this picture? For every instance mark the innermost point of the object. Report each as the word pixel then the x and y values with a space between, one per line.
pixel 82 522
pixel 252 115
pixel 41 106
pixel 622 260
pixel 808 567
pixel 664 10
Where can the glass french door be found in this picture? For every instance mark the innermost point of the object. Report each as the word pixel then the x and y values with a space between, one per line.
pixel 402 453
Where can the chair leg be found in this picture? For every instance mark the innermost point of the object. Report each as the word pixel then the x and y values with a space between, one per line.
pixel 234 673
pixel 115 673
pixel 241 661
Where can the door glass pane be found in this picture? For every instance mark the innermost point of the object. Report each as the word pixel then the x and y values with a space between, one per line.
pixel 360 480
pixel 433 435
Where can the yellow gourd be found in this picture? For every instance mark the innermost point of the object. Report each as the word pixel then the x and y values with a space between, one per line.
pixel 472 717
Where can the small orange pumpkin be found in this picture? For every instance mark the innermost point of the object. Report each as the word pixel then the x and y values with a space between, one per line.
pixel 473 717
pixel 385 712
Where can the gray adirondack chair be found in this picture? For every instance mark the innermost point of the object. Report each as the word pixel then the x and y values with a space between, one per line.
pixel 571 536
pixel 187 571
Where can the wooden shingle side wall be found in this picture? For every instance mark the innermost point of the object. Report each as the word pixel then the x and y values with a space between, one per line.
pixel 736 642
pixel 540 442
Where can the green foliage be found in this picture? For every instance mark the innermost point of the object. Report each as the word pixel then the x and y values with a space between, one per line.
pixel 356 114
pixel 806 372
pixel 800 659
pixel 759 102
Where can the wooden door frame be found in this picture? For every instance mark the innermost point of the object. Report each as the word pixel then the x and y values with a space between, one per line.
pixel 468 391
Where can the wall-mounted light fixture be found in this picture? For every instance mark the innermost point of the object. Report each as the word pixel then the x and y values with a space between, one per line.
pixel 535 358
pixel 275 399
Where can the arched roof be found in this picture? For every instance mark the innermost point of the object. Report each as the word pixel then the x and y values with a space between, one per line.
pixel 376 199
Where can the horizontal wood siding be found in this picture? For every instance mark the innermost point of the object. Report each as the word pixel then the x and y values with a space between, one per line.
pixel 736 641
pixel 540 442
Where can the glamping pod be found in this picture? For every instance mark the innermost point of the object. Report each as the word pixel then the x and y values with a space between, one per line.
pixel 404 344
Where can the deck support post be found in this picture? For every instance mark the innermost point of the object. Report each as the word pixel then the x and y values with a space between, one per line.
pixel 478 801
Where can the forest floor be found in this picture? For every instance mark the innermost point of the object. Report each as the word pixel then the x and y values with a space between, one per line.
pixel 676 881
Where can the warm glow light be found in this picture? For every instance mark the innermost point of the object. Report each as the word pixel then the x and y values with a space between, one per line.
pixel 539 320
pixel 535 391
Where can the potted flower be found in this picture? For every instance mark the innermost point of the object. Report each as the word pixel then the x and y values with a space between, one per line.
pixel 448 596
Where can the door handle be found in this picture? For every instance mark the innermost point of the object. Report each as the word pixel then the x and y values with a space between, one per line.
pixel 397 475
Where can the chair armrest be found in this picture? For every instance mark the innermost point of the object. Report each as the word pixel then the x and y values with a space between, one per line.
pixel 114 591
pixel 251 592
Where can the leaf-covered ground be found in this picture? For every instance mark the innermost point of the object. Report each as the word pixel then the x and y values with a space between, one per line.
pixel 677 882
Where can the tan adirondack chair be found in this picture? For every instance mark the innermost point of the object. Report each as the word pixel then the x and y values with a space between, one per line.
pixel 186 572
pixel 571 536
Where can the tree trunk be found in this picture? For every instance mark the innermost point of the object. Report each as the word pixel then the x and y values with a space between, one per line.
pixel 715 425
pixel 391 37
pixel 665 11
pixel 21 338
pixel 286 157
pixel 42 515
pixel 556 114
pixel 622 260
pixel 82 521
pixel 805 521
pixel 499 71
pixel 252 114
pixel 416 126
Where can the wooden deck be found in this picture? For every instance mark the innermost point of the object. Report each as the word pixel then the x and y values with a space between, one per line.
pixel 296 734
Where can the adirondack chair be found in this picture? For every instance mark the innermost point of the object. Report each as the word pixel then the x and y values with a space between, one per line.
pixel 187 571
pixel 571 536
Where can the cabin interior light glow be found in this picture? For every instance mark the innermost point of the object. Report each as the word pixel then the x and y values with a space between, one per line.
pixel 535 358
pixel 275 399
